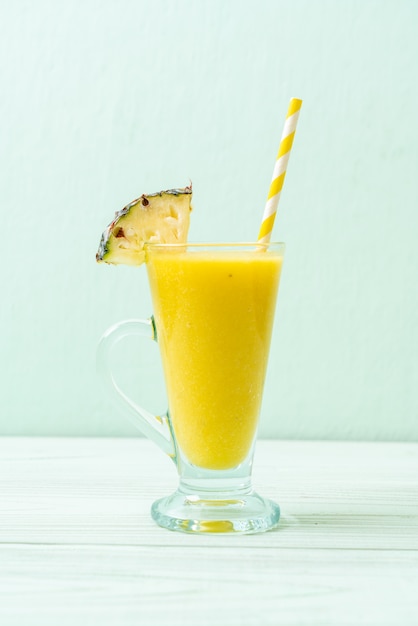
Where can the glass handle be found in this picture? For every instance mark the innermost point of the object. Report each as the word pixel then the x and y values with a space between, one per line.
pixel 152 426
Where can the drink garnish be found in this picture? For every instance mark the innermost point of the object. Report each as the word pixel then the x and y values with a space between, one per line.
pixel 162 217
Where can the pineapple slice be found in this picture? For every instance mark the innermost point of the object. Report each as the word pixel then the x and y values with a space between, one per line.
pixel 162 217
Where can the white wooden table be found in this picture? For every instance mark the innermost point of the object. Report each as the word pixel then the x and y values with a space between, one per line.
pixel 79 548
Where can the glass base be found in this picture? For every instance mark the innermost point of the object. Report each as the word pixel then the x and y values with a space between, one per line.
pixel 222 514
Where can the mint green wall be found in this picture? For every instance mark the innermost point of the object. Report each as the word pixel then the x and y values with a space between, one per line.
pixel 103 100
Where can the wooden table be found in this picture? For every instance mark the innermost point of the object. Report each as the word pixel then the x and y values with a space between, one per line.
pixel 78 546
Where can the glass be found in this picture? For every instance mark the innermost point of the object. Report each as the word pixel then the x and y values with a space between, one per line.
pixel 213 316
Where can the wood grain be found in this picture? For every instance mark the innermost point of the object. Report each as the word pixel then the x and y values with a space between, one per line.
pixel 77 544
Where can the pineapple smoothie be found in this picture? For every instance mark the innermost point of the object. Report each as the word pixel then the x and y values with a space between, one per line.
pixel 213 308
pixel 214 311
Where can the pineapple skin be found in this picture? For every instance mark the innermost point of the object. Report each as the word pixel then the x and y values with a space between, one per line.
pixel 133 255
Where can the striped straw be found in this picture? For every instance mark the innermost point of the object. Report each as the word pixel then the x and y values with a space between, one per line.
pixel 279 171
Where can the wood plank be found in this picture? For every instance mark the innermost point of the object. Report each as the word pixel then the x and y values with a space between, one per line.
pixel 111 585
pixel 77 544
pixel 99 491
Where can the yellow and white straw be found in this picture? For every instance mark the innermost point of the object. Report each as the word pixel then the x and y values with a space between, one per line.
pixel 279 171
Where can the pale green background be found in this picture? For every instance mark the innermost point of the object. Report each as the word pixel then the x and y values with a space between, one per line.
pixel 103 100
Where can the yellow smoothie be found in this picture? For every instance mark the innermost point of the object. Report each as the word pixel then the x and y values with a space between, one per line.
pixel 214 314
